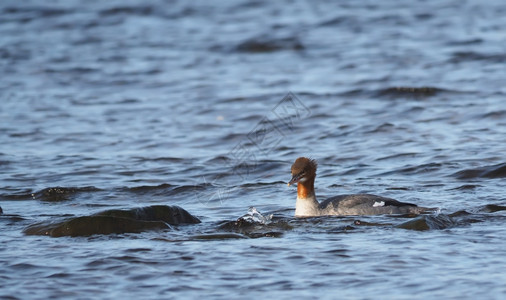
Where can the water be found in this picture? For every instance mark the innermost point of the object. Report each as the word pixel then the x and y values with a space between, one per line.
pixel 126 104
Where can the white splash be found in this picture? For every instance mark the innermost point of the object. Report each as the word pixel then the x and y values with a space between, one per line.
pixel 378 204
pixel 255 216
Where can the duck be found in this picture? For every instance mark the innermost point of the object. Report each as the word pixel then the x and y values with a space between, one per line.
pixel 304 174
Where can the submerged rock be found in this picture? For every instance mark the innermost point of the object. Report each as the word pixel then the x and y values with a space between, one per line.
pixel 218 236
pixel 172 215
pixel 90 225
pixel 116 221
pixel 270 44
pixel 255 225
pixel 494 171
pixel 428 222
pixel 406 91
pixel 492 208
pixel 58 193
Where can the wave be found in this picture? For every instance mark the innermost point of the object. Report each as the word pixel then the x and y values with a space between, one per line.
pixel 494 171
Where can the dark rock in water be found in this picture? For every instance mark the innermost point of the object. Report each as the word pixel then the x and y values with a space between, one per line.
pixel 460 213
pixel 428 222
pixel 1 211
pixel 254 229
pixel 491 208
pixel 57 194
pixel 467 187
pixel 116 221
pixel 218 236
pixel 172 215
pixel 408 92
pixel 494 171
pixel 90 225
pixel 270 44
pixel 54 194
pixel 363 223
pixel 497 171
pixel 238 225
pixel 273 234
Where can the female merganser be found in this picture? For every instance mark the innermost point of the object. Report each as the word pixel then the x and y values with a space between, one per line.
pixel 304 173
